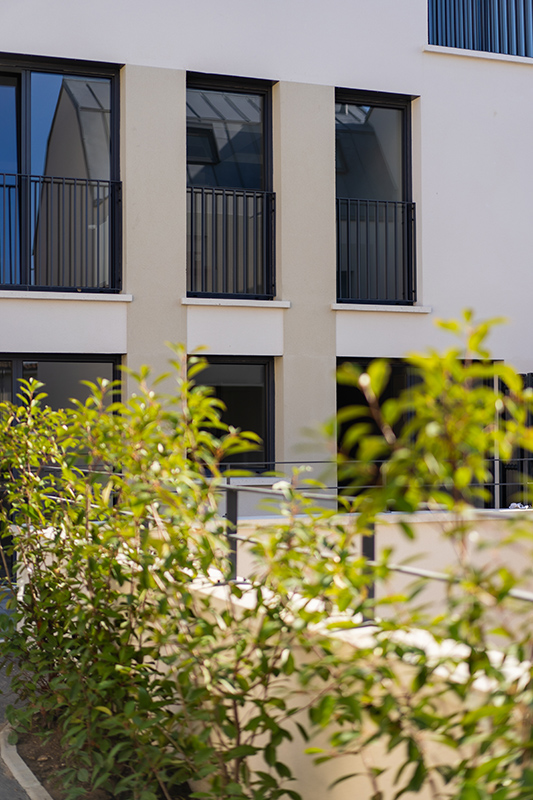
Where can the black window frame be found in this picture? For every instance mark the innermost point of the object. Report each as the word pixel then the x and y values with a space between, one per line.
pixel 17 360
pixel 231 83
pixel 21 66
pixel 269 442
pixel 403 103
pixel 263 87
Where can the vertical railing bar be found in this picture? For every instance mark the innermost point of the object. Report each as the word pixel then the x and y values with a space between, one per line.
pixel 377 256
pixel 3 270
pixel 347 259
pixel 75 238
pixel 86 233
pixel 214 265
pixel 63 226
pixel 192 267
pixel 203 265
pixel 244 241
pixel 254 241
pixel 234 276
pixel 232 518
pixel 224 242
pixel 367 202
pixel 97 235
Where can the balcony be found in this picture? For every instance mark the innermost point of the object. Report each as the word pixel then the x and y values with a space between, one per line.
pixel 498 26
pixel 375 251
pixel 230 243
pixel 60 234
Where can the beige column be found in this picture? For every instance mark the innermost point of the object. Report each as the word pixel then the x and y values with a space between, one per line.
pixel 153 153
pixel 304 181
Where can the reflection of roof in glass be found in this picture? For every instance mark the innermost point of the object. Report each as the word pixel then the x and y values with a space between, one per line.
pixel 349 115
pixel 223 106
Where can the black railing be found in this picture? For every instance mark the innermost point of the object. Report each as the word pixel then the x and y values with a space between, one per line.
pixel 496 26
pixel 60 233
pixel 375 251
pixel 230 243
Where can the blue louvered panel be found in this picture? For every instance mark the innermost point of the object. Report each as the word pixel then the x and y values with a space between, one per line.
pixel 496 26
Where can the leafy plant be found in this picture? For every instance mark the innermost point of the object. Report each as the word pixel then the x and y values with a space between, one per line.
pixel 131 635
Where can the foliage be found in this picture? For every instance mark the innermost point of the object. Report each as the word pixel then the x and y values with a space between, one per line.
pixel 160 669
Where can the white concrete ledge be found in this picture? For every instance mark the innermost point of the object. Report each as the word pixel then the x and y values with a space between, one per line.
pixel 459 51
pixel 378 307
pixel 7 294
pixel 223 301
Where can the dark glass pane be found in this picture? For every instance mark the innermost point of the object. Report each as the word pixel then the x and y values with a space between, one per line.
pixel 224 139
pixel 5 381
pixel 70 126
pixel 368 152
pixel 9 167
pixel 62 378
pixel 8 125
pixel 242 389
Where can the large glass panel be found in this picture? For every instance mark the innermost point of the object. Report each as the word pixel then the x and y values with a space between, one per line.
pixel 6 374
pixel 242 389
pixel 368 143
pixel 9 167
pixel 62 379
pixel 70 198
pixel 224 139
pixel 8 124
pixel 70 126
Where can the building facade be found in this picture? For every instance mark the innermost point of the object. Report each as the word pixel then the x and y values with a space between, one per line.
pixel 286 185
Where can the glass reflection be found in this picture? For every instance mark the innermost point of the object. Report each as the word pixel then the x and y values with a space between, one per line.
pixel 224 139
pixel 368 144
pixel 70 126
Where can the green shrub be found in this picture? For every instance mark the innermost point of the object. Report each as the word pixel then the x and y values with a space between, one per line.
pixel 130 636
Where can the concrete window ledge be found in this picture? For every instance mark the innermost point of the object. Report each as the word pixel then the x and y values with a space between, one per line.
pixel 230 301
pixel 8 294
pixel 381 308
pixel 487 56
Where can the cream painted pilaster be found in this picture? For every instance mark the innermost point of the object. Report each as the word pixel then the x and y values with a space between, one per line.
pixel 153 152
pixel 304 181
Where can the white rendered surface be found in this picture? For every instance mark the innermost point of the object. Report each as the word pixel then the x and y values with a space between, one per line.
pixel 235 331
pixel 62 325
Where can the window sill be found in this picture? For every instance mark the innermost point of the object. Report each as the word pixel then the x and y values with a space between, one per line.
pixel 220 301
pixel 460 51
pixel 377 307
pixel 14 294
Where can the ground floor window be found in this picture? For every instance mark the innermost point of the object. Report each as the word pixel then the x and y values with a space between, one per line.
pixel 61 375
pixel 246 387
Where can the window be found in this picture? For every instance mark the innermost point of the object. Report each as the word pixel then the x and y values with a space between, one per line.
pixel 230 205
pixel 402 376
pixel 375 215
pixel 246 387
pixel 59 193
pixel 61 375
pixel 501 26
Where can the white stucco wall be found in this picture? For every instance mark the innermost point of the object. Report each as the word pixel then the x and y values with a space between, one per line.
pixel 472 119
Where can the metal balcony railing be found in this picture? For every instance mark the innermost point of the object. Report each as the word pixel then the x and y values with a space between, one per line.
pixel 60 233
pixel 230 243
pixel 375 251
pixel 495 26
